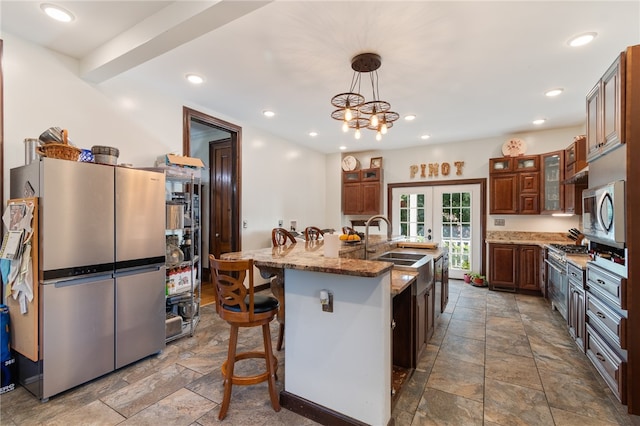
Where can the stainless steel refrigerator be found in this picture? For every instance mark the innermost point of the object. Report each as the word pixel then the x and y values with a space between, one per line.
pixel 101 270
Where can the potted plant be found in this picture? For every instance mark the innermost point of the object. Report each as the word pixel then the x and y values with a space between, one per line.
pixel 467 277
pixel 477 280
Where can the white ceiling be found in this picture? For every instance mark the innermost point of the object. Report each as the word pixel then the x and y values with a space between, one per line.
pixel 467 70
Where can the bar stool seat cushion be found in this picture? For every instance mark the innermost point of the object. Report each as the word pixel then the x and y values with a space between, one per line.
pixel 260 304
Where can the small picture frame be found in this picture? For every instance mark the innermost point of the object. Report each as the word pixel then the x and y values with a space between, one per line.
pixel 376 163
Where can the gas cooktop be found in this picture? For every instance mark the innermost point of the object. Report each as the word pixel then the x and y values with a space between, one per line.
pixel 570 248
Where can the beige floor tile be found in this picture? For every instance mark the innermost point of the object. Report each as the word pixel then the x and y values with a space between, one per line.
pixel 470 329
pixel 512 325
pixel 508 404
pixel 578 394
pixel 515 344
pixel 567 418
pixel 514 369
pixel 469 314
pixel 180 408
pixel 457 377
pixel 96 413
pixel 442 408
pixel 138 396
pixel 463 348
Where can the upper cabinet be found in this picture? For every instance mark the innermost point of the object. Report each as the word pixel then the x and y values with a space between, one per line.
pixel 552 188
pixel 514 184
pixel 605 111
pixel 362 191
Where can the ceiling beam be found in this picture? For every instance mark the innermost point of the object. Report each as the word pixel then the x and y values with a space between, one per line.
pixel 176 24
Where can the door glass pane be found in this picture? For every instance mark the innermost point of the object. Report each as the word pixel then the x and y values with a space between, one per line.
pixel 456 228
pixel 412 215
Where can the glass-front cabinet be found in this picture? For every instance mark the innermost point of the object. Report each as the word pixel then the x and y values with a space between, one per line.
pixel 552 186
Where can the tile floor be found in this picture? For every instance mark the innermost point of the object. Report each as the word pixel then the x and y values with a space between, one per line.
pixel 495 359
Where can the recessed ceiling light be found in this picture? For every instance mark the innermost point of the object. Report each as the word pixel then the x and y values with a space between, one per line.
pixel 57 12
pixel 582 39
pixel 342 148
pixel 313 134
pixel 410 117
pixel 425 137
pixel 553 92
pixel 539 121
pixel 194 79
pixel 268 113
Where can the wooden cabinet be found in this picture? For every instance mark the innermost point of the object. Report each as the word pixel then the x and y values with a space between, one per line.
pixel 425 318
pixel 552 188
pixel 362 192
pixel 576 309
pixel 514 267
pixel 441 283
pixel 514 184
pixel 606 111
pixel 542 279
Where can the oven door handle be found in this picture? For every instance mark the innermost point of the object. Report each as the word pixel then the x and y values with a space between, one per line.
pixel 554 266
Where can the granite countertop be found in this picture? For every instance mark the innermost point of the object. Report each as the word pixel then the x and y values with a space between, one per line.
pixel 580 260
pixel 400 280
pixel 309 256
pixel 530 238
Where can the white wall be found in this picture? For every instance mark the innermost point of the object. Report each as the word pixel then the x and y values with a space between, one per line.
pixel 476 154
pixel 281 180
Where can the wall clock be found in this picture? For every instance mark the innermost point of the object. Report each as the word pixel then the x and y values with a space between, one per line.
pixel 350 163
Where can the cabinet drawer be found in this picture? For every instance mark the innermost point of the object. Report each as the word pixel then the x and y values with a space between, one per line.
pixel 608 322
pixel 576 274
pixel 610 286
pixel 611 367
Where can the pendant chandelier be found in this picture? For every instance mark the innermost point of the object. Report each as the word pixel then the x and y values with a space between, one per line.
pixel 354 110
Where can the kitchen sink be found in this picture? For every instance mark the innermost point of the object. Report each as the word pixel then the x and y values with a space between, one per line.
pixel 402 260
pixel 422 264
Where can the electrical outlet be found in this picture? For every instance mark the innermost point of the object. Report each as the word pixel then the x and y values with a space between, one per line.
pixel 280 222
pixel 245 224
pixel 498 222
pixel 326 300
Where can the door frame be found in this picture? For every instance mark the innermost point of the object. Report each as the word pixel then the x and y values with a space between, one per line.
pixel 189 115
pixel 483 205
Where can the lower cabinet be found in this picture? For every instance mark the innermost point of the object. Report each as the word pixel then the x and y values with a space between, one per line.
pixel 425 318
pixel 606 329
pixel 514 267
pixel 576 307
pixel 576 314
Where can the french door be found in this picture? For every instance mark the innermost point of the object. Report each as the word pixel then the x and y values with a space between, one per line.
pixel 447 214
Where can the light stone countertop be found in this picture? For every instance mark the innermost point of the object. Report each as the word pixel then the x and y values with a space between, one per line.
pixel 309 256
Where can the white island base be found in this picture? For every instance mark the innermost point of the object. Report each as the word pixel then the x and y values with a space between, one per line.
pixel 338 362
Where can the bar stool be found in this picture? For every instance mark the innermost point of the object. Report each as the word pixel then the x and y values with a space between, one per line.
pixel 348 230
pixel 280 237
pixel 313 233
pixel 240 307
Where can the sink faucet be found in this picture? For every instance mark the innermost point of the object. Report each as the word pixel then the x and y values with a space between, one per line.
pixel 366 233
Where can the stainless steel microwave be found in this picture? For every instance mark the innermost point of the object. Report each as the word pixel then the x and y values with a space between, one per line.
pixel 603 214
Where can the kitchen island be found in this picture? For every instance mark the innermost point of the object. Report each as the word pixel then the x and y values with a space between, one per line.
pixel 338 364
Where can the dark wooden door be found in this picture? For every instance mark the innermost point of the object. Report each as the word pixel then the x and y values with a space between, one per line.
pixel 222 188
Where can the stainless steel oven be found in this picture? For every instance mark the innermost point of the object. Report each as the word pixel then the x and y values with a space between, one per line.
pixel 557 280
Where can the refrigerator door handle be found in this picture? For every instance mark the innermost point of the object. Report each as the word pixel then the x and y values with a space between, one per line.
pixel 138 270
pixel 77 280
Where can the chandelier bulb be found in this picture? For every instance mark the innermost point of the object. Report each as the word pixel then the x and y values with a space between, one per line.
pixel 345 126
pixel 357 135
pixel 384 128
pixel 378 135
pixel 347 114
pixel 374 119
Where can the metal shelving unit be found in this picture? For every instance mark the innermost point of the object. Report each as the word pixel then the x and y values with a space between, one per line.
pixel 183 291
